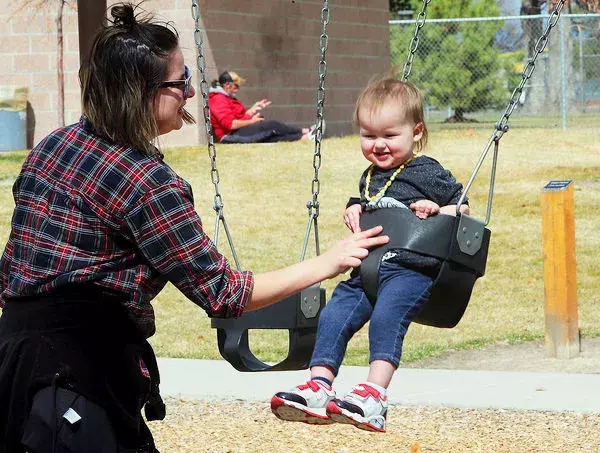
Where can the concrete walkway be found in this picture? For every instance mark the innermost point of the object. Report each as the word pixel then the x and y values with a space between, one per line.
pixel 217 380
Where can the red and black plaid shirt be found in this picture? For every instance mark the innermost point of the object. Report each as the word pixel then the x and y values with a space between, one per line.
pixel 89 210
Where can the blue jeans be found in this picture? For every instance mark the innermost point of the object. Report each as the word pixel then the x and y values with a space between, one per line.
pixel 401 294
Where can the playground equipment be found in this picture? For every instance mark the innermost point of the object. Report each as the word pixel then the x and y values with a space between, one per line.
pixel 460 241
pixel 298 313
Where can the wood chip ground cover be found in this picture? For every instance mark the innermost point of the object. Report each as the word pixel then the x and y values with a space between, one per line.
pixel 243 427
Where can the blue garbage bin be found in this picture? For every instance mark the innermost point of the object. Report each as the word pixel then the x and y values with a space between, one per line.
pixel 13 118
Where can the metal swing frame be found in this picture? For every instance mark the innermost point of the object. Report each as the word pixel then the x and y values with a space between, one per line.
pixel 460 242
pixel 298 313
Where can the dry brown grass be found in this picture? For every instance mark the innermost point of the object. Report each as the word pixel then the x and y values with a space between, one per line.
pixel 265 189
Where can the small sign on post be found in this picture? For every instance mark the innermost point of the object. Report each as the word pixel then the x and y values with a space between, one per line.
pixel 560 277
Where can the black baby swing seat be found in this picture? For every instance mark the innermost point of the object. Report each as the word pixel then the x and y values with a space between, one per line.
pixel 299 314
pixel 460 242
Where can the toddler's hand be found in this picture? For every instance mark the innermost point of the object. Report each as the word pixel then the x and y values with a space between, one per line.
pixel 352 217
pixel 425 208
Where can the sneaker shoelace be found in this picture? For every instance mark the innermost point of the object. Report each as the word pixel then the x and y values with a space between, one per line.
pixel 315 386
pixel 361 392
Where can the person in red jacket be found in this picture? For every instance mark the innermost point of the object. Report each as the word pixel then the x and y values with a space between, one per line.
pixel 233 123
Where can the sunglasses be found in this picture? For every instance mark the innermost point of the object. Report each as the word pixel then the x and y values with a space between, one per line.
pixel 184 85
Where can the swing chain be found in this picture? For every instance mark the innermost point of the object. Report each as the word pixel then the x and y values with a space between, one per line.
pixel 313 205
pixel 212 152
pixel 414 42
pixel 502 126
pixel 218 204
pixel 324 42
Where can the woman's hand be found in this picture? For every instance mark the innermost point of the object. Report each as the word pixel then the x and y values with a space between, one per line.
pixel 425 208
pixel 269 287
pixel 258 106
pixel 256 118
pixel 236 124
pixel 352 217
pixel 349 252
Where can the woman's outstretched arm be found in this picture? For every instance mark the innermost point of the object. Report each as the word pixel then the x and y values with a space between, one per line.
pixel 270 287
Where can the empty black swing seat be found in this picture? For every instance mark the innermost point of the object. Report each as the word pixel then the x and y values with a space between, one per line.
pixel 460 242
pixel 299 314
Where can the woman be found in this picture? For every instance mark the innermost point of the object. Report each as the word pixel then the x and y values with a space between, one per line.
pixel 233 123
pixel 101 224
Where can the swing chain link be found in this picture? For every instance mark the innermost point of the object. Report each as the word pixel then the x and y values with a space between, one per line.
pixel 218 204
pixel 204 89
pixel 313 205
pixel 502 126
pixel 323 44
pixel 414 42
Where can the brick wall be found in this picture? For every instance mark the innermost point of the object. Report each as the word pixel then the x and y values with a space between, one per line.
pixel 28 53
pixel 274 44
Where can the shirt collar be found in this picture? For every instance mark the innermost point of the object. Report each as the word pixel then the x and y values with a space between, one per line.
pixel 87 125
pixel 89 128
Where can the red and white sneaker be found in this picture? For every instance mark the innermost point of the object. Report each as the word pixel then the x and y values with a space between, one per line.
pixel 364 407
pixel 305 403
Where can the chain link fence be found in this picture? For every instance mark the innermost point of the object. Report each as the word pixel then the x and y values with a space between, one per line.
pixel 468 68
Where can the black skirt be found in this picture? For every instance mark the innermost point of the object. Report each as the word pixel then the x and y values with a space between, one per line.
pixel 79 340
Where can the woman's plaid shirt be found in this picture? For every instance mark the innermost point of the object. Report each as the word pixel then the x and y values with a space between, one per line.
pixel 89 210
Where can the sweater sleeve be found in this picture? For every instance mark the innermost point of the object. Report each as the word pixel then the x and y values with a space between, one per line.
pixel 361 189
pixel 441 186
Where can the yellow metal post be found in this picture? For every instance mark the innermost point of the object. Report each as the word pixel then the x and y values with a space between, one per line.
pixel 560 276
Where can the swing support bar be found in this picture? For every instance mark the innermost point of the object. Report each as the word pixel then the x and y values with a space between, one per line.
pixel 501 126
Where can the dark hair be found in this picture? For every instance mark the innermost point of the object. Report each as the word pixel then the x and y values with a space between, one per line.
pixel 228 77
pixel 408 97
pixel 224 78
pixel 122 74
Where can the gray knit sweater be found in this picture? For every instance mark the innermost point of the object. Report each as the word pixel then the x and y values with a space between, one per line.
pixel 423 178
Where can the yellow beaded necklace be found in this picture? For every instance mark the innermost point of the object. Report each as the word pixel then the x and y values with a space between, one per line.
pixel 384 189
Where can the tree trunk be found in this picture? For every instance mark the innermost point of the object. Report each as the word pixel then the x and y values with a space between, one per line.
pixel 532 29
pixel 459 117
pixel 60 64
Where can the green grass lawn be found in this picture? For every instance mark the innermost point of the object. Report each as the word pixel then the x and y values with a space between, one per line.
pixel 265 189
pixel 485 120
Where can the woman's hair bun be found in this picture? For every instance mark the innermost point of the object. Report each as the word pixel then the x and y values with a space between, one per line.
pixel 123 14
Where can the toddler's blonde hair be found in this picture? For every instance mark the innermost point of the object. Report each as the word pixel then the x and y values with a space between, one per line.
pixel 388 87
